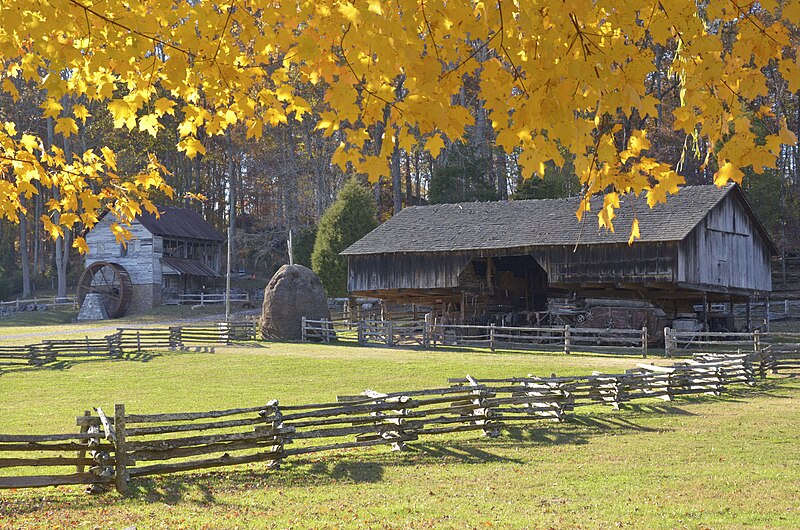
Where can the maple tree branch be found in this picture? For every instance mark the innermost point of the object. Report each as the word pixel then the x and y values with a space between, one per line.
pixel 120 25
pixel 747 16
pixel 358 79
pixel 430 32
pixel 222 35
pixel 517 74
pixel 470 56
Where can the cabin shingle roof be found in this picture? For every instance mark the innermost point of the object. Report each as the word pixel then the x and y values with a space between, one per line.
pixel 530 223
pixel 178 222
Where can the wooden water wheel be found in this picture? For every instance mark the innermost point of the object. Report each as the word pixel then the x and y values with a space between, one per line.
pixel 112 282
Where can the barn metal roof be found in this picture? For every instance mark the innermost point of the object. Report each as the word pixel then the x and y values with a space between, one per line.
pixel 179 222
pixel 189 267
pixel 545 222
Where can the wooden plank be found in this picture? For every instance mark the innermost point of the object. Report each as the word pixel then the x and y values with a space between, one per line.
pixel 107 428
pixel 40 481
pixel 224 460
pixel 63 447
pixel 186 427
pixel 156 445
pixel 120 467
pixel 45 437
pixel 46 461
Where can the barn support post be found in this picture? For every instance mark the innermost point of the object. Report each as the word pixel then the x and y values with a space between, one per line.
pixel 426 330
pixel 705 311
pixel 644 342
pixel 667 342
pixel 748 315
pixel 766 317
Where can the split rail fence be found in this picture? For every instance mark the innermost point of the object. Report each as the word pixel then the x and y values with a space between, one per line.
pixel 125 341
pixel 784 348
pixel 113 449
pixel 420 333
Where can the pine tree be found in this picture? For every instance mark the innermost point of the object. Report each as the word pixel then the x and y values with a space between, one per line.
pixel 349 218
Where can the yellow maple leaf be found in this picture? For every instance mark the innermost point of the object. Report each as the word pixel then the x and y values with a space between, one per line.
pixel 728 172
pixel 80 112
pixel 54 230
pixel 51 108
pixel 29 142
pixel 634 231
pixel 350 12
pixel 164 106
pixel 375 7
pixel 149 123
pixel 80 243
pixel 122 113
pixel 66 126
pixel 434 145
pixel 191 146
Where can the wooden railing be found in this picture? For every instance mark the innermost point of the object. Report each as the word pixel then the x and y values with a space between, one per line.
pixel 48 302
pixel 120 447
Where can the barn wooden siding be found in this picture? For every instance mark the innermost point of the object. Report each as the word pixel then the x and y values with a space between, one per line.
pixel 425 270
pixel 637 263
pixel 726 250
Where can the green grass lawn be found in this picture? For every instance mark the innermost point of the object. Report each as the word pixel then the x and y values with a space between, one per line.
pixel 726 462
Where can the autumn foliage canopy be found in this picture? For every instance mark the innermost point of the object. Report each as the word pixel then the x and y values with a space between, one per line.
pixel 553 75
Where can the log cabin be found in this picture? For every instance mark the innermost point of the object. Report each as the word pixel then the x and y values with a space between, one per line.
pixel 173 254
pixel 704 245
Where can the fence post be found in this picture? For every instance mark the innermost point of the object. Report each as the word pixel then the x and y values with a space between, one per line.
pixel 390 333
pixel 80 468
pixel 120 450
pixel 426 331
pixel 667 342
pixel 326 327
pixel 277 427
pixel 138 342
pixel 360 329
pixel 644 342
pixel 303 329
pixel 757 341
pixel 491 429
pixel 566 339
pixel 491 337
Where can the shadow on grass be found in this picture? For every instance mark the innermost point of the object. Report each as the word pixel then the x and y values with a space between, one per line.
pixel 66 364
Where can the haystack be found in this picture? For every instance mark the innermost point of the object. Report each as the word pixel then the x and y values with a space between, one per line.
pixel 293 292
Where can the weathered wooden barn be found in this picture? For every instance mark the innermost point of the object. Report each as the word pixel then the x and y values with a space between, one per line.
pixel 176 253
pixel 704 245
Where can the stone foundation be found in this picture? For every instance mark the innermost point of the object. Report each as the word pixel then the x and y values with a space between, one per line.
pixel 145 297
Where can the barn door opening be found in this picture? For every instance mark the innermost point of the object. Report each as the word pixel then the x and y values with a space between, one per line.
pixel 505 290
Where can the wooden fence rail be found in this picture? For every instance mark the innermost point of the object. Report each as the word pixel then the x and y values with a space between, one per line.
pixel 122 446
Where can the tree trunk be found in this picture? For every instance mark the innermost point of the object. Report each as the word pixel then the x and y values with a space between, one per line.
pixel 397 185
pixel 23 253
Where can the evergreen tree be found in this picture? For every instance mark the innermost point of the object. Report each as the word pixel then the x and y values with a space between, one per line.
pixel 349 218
pixel 303 245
